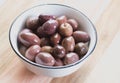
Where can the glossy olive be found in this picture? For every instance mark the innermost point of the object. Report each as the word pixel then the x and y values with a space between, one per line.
pixel 81 36
pixel 65 29
pixel 68 43
pixel 58 51
pixel 81 49
pixel 50 27
pixel 73 23
pixel 62 19
pixel 44 18
pixel 44 58
pixel 44 42
pixel 28 38
pixel 32 22
pixel 71 58
pixel 47 49
pixel 32 51
pixel 55 39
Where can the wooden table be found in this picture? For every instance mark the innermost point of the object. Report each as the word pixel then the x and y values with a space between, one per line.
pixel 102 67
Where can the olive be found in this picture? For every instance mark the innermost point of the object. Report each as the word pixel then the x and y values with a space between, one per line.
pixel 65 29
pixel 44 42
pixel 55 39
pixel 47 49
pixel 81 36
pixel 62 19
pixel 32 51
pixel 50 27
pixel 28 38
pixel 58 62
pixel 44 18
pixel 40 32
pixel 32 22
pixel 22 49
pixel 68 43
pixel 58 51
pixel 71 58
pixel 81 49
pixel 73 23
pixel 44 58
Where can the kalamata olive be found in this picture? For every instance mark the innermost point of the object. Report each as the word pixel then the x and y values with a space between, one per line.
pixel 40 32
pixel 32 51
pixel 58 51
pixel 44 42
pixel 22 49
pixel 68 43
pixel 28 38
pixel 45 58
pixel 58 62
pixel 73 23
pixel 62 19
pixel 32 22
pixel 65 29
pixel 50 27
pixel 81 49
pixel 44 18
pixel 81 36
pixel 71 58
pixel 55 39
pixel 47 49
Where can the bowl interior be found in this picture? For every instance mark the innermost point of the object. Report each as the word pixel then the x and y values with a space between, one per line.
pixel 56 10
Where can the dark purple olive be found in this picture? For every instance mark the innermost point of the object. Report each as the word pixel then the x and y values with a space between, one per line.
pixel 44 42
pixel 62 19
pixel 55 39
pixel 32 52
pixel 44 58
pixel 81 36
pixel 28 38
pixel 71 58
pixel 68 43
pixel 50 27
pixel 58 51
pixel 40 32
pixel 58 62
pixel 44 18
pixel 32 22
pixel 73 23
pixel 81 49
pixel 65 29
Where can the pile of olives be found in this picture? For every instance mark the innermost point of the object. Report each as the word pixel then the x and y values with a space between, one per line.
pixel 52 41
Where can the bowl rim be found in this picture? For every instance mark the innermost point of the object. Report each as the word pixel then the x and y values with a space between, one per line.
pixel 54 67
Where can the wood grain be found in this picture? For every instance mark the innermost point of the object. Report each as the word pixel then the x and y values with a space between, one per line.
pixel 103 13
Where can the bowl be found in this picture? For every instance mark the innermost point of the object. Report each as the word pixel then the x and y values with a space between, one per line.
pixel 57 10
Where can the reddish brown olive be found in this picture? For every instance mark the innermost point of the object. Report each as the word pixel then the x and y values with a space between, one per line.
pixel 62 19
pixel 40 32
pixel 44 58
pixel 73 23
pixel 81 49
pixel 55 39
pixel 71 58
pixel 44 42
pixel 58 51
pixel 28 38
pixel 58 62
pixel 68 43
pixel 44 18
pixel 50 27
pixel 47 49
pixel 32 52
pixel 81 36
pixel 32 22
pixel 65 29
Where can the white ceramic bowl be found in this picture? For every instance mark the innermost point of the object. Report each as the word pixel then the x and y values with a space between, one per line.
pixel 57 10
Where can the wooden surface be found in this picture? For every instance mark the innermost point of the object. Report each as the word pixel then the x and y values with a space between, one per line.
pixel 102 67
